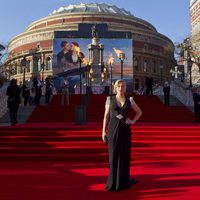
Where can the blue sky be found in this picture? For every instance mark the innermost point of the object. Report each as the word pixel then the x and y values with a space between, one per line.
pixel 170 17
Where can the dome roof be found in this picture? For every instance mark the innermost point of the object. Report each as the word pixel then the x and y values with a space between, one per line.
pixel 92 7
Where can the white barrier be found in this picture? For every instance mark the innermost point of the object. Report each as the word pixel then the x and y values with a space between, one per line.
pixel 182 92
pixel 3 99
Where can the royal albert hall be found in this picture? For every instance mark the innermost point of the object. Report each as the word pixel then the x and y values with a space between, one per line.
pixel 153 52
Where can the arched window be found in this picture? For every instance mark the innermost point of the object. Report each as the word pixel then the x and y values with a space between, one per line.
pixel 48 63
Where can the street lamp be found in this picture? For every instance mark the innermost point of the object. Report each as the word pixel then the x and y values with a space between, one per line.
pixel 80 57
pixel 110 62
pixel 190 68
pixel 121 58
pixel 42 69
pixel 23 64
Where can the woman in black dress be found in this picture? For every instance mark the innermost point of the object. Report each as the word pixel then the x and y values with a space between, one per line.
pixel 119 136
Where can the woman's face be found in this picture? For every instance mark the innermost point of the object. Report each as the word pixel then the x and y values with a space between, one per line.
pixel 121 88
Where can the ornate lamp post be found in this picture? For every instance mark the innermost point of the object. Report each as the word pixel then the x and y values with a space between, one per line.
pixel 190 68
pixel 110 63
pixel 23 65
pixel 80 79
pixel 122 58
pixel 42 69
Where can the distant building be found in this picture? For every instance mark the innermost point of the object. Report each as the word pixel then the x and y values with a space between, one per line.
pixel 195 38
pixel 153 52
pixel 195 22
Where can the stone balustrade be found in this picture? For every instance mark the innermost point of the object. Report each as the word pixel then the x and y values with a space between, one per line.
pixel 3 99
pixel 182 92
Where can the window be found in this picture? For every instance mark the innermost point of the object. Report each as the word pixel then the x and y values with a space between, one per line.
pixel 48 64
pixel 154 66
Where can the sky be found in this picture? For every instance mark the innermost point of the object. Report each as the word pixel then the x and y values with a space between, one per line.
pixel 169 17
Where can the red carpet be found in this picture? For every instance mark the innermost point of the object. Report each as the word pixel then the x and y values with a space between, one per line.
pixel 152 108
pixel 55 160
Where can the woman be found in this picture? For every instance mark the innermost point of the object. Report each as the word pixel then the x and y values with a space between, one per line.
pixel 13 93
pixel 48 91
pixel 65 92
pixel 119 136
pixel 26 92
pixel 166 91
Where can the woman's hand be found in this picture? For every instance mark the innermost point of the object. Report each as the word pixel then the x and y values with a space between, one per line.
pixel 129 121
pixel 103 136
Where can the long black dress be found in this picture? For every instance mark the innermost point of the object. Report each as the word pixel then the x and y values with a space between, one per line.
pixel 119 136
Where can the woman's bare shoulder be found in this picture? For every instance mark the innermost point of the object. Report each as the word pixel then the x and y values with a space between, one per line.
pixel 131 99
pixel 108 99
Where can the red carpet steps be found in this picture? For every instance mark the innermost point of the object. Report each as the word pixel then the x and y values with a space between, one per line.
pixel 83 143
pixel 152 108
pixel 51 158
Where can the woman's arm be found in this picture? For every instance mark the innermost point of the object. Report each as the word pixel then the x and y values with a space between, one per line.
pixel 137 110
pixel 106 117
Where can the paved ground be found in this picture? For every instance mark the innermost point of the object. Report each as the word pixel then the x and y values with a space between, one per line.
pixel 23 114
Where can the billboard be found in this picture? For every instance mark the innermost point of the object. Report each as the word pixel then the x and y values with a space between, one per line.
pixel 65 58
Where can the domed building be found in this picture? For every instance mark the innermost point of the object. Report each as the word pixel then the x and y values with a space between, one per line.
pixel 149 52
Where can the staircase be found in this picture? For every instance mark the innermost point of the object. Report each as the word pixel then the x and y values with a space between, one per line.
pixel 152 108
pixel 52 135
pixel 76 143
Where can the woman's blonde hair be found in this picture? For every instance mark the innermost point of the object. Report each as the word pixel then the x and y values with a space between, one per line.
pixel 117 83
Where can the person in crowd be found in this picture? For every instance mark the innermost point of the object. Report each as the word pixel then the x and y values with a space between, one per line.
pixel 166 91
pixel 26 92
pixel 149 85
pixel 116 133
pixel 196 98
pixel 32 96
pixel 13 93
pixel 48 91
pixel 65 91
pixel 37 84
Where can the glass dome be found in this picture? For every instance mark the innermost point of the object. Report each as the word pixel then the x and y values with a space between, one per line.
pixel 92 7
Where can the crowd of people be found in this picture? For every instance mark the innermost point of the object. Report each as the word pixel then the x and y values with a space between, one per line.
pixel 28 93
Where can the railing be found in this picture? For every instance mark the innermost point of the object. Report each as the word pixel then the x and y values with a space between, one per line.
pixel 3 99
pixel 178 89
pixel 182 92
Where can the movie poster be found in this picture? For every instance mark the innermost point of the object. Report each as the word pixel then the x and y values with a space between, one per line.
pixel 65 58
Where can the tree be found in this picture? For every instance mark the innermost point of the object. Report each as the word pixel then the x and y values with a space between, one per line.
pixel 187 49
